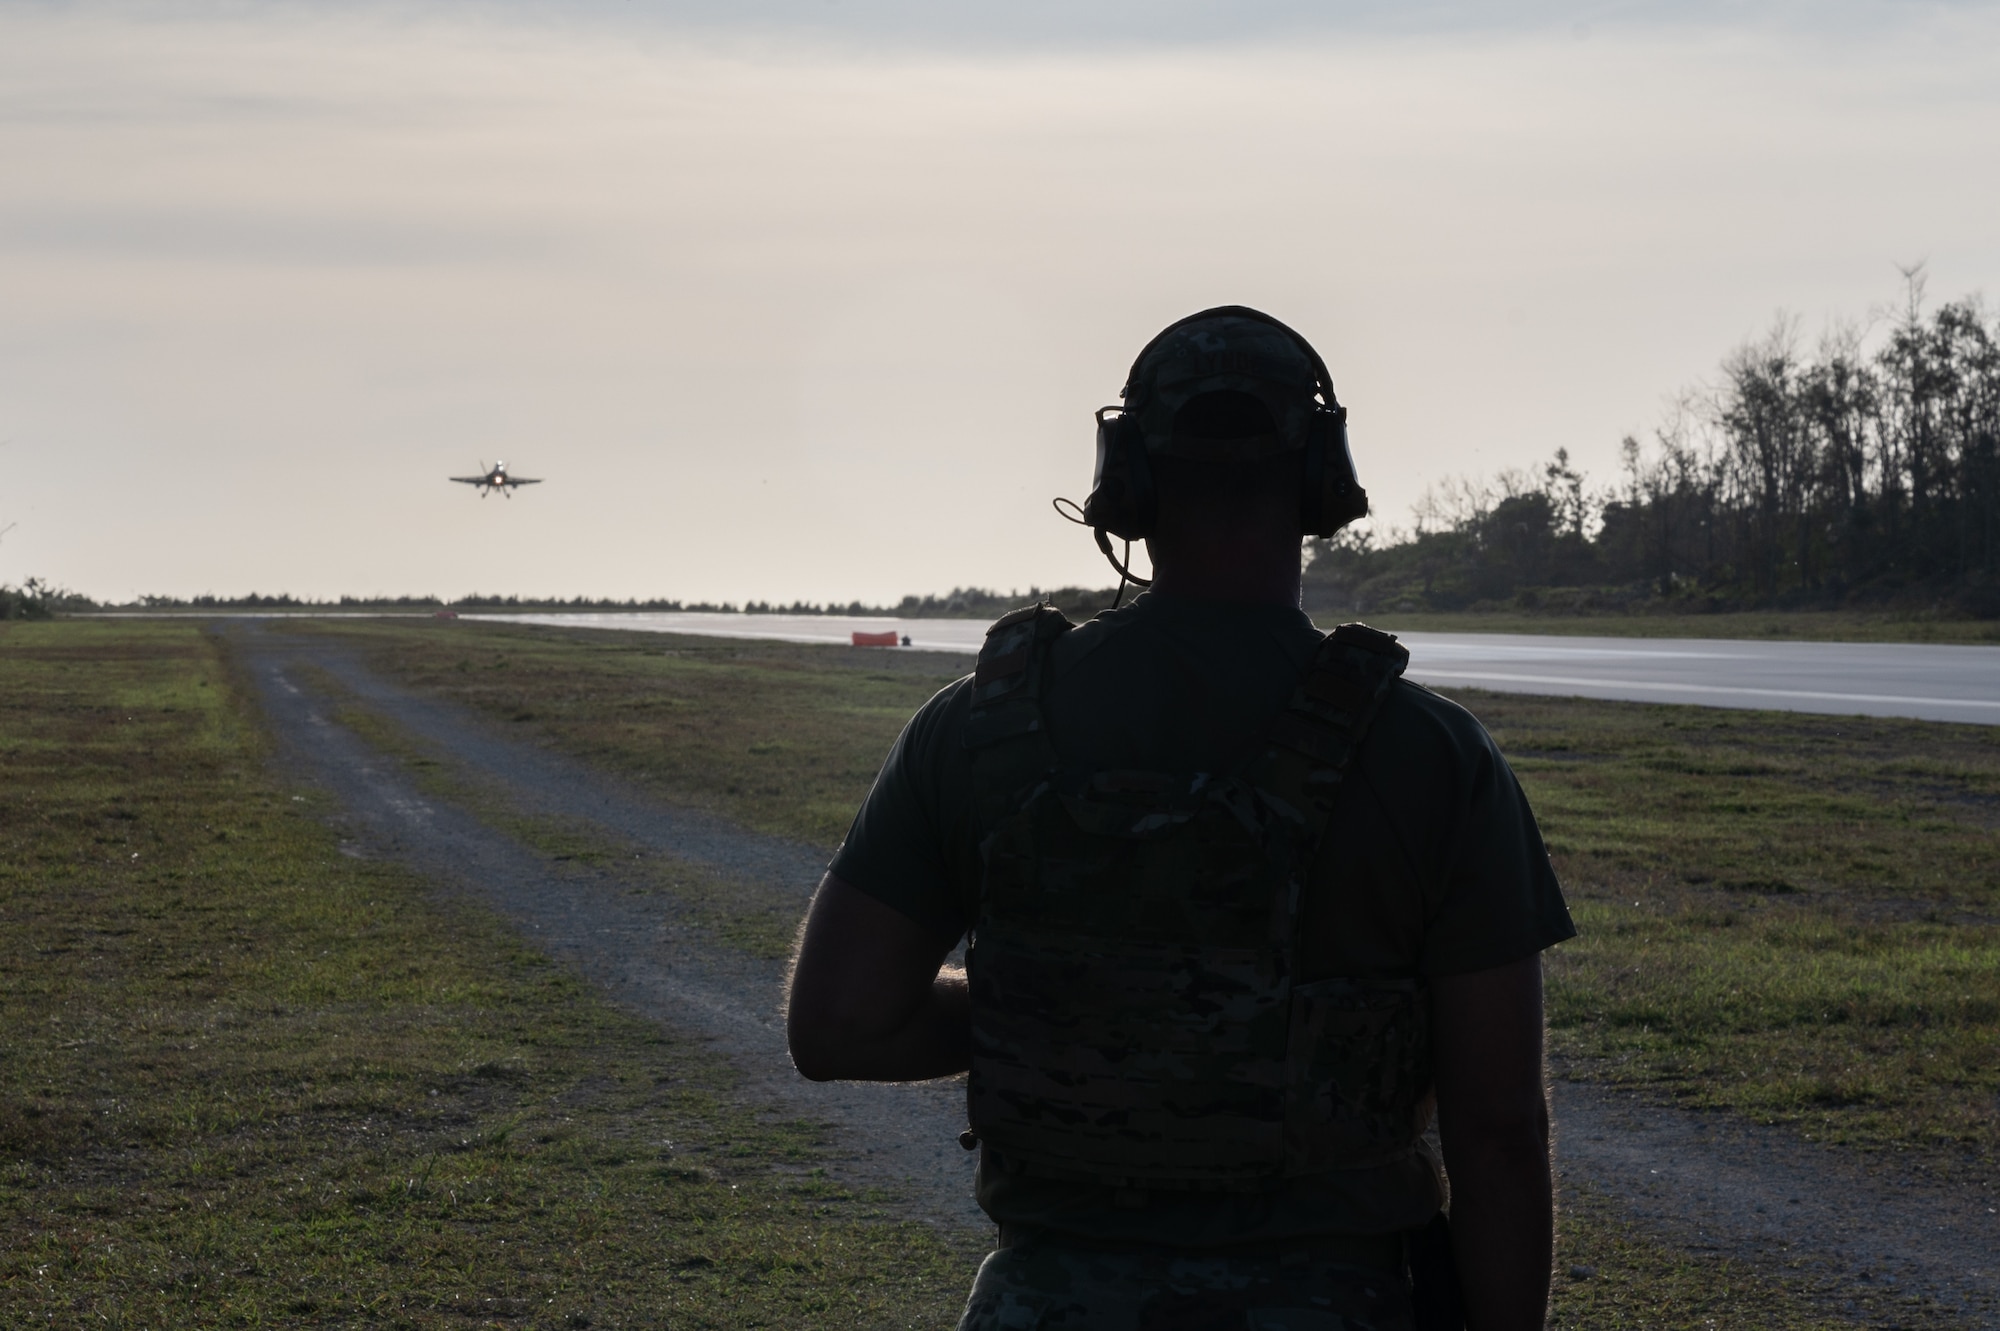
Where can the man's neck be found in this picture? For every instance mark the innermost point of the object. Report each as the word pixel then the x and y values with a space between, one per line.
pixel 1235 575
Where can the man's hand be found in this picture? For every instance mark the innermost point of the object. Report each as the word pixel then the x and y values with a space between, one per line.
pixel 1493 1118
pixel 867 1001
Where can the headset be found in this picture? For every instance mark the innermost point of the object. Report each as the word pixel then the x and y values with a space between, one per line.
pixel 1124 502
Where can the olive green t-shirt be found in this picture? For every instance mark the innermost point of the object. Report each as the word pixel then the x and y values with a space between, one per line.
pixel 1432 864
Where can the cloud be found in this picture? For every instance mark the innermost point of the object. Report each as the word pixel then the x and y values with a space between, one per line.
pixel 1072 25
pixel 234 238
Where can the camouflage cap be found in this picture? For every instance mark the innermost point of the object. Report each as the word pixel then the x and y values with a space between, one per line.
pixel 1228 349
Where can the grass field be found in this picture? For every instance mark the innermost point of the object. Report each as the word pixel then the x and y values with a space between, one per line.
pixel 781 737
pixel 248 1081
pixel 1793 917
pixel 1796 917
pixel 1790 917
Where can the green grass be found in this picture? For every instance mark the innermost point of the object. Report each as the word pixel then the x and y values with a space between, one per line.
pixel 1804 625
pixel 1896 817
pixel 781 737
pixel 753 917
pixel 1794 917
pixel 1871 1035
pixel 1790 917
pixel 250 1081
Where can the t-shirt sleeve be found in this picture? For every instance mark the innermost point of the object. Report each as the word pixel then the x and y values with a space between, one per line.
pixel 905 847
pixel 1498 900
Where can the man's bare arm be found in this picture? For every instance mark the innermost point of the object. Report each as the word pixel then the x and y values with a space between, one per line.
pixel 1493 1118
pixel 868 1000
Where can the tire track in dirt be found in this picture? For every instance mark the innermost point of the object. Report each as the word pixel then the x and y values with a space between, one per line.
pixel 637 947
pixel 1708 1182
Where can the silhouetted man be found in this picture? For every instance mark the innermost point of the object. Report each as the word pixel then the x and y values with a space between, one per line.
pixel 1244 906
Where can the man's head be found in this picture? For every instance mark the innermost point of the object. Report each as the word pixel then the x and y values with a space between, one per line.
pixel 1226 410
pixel 1249 360
pixel 1222 464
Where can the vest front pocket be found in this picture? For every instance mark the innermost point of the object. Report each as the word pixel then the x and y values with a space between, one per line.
pixel 1358 1073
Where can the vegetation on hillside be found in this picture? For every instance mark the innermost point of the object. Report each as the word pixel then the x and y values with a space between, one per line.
pixel 1863 472
pixel 284 601
pixel 36 599
pixel 959 603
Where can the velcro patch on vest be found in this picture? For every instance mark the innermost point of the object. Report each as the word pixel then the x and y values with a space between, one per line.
pixel 1019 615
pixel 1007 659
pixel 1370 640
pixel 1010 666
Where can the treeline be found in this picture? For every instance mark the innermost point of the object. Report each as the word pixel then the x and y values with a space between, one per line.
pixel 36 599
pixel 1863 472
pixel 286 601
pixel 961 602
pixel 977 603
pixel 477 602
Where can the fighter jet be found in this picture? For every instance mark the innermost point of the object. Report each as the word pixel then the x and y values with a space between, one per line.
pixel 496 479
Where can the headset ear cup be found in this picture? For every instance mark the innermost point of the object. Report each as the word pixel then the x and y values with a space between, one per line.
pixel 1122 498
pixel 1353 500
pixel 1333 494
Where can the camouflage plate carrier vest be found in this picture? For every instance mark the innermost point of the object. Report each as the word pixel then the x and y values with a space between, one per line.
pixel 1135 1017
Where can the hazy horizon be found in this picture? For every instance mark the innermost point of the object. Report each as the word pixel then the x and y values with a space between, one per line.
pixel 812 301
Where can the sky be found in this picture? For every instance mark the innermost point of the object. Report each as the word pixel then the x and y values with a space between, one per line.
pixel 813 299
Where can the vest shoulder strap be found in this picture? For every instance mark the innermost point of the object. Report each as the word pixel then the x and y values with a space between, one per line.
pixel 1005 734
pixel 1007 685
pixel 1316 736
pixel 1311 744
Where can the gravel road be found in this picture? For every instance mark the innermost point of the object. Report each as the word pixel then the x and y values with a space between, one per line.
pixel 1706 1181
pixel 634 945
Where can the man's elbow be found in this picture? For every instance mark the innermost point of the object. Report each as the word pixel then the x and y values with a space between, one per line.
pixel 815 1050
pixel 813 1069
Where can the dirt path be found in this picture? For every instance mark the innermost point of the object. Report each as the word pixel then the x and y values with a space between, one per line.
pixel 1706 1181
pixel 633 944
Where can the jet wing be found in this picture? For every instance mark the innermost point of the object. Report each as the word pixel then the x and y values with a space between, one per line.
pixel 469 480
pixel 524 480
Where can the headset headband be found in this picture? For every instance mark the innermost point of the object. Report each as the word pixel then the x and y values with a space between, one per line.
pixel 1123 498
pixel 1322 380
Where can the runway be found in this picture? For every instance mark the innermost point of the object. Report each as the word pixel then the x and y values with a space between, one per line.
pixel 1926 682
pixel 1930 683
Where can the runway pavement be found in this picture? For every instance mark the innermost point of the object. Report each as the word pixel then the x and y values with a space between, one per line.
pixel 1931 683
